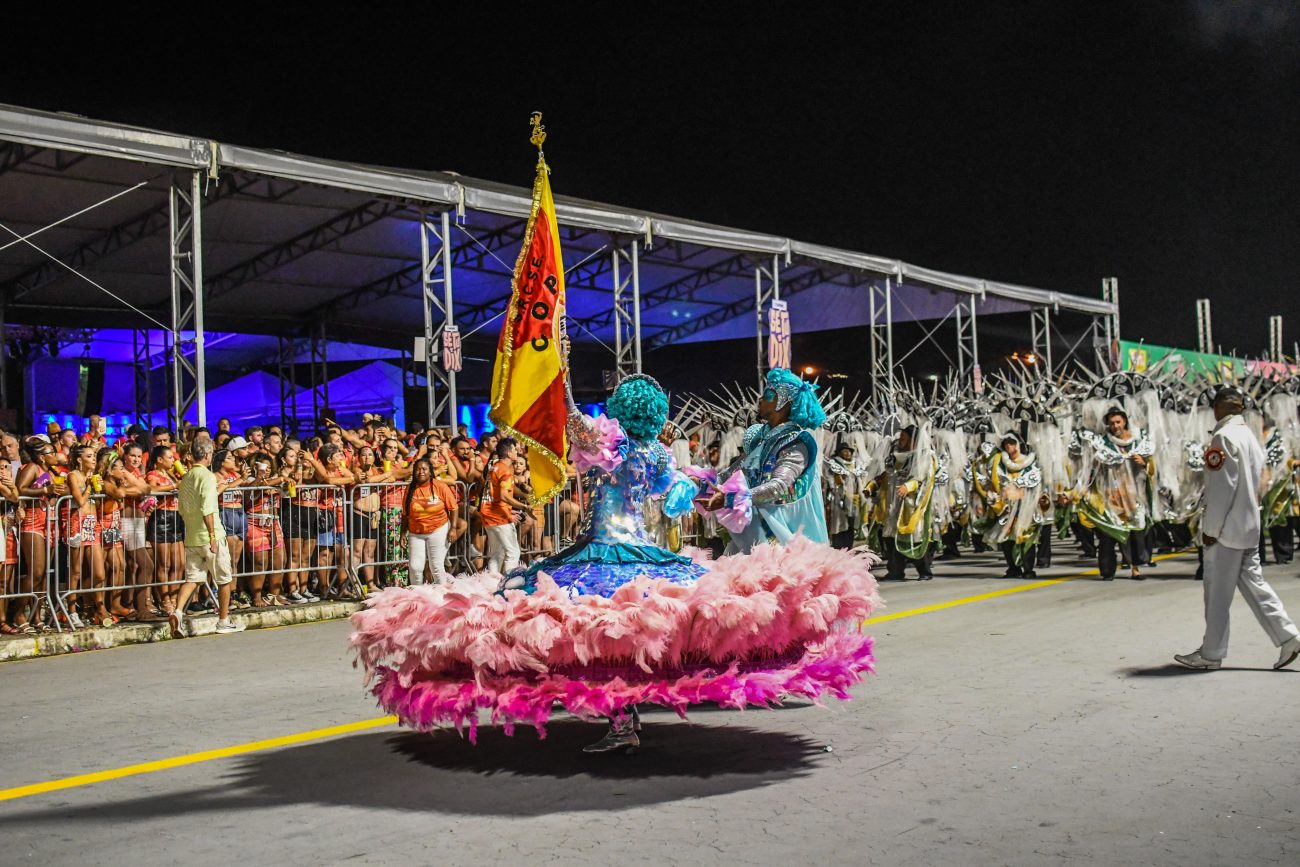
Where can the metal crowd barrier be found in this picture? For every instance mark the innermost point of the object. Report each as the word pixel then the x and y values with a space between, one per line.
pixel 72 550
pixel 361 523
pixel 389 560
pixel 303 521
pixel 19 569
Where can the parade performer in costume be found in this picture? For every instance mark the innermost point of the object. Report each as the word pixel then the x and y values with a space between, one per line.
pixel 613 620
pixel 908 482
pixel 1119 486
pixel 843 486
pixel 776 480
pixel 1016 482
pixel 1279 502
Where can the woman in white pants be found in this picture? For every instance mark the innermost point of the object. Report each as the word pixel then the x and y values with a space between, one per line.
pixel 426 516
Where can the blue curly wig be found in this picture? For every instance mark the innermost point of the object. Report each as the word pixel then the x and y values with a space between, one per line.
pixel 640 406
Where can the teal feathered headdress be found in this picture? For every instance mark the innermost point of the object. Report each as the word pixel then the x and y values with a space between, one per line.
pixel 805 409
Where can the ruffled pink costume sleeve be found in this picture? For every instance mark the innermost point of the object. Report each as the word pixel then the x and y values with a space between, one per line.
pixel 736 516
pixel 594 442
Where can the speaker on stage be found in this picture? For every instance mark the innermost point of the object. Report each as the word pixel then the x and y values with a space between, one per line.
pixel 416 406
pixel 90 388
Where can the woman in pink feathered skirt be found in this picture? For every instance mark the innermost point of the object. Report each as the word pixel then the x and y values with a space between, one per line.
pixel 614 621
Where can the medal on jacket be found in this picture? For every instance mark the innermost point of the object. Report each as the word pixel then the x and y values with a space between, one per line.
pixel 1214 458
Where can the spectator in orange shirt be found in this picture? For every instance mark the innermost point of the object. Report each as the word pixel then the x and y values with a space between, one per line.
pixel 498 510
pixel 426 512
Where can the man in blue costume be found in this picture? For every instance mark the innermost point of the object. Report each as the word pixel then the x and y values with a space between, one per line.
pixel 780 469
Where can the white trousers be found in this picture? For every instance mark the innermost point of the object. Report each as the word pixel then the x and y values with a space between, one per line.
pixel 1229 569
pixel 430 548
pixel 502 548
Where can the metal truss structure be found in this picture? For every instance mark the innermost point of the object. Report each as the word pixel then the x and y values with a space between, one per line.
pixel 626 311
pixel 968 345
pixel 1204 327
pixel 185 221
pixel 435 280
pixel 335 249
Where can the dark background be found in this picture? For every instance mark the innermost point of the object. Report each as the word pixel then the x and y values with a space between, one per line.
pixel 1049 144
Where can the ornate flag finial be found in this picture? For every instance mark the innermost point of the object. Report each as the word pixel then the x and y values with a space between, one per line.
pixel 539 132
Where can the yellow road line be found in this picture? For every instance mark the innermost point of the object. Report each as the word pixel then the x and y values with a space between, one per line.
pixel 967 600
pixel 1005 591
pixel 192 758
pixel 364 725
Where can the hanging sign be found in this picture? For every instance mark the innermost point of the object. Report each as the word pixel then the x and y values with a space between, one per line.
pixel 778 335
pixel 451 348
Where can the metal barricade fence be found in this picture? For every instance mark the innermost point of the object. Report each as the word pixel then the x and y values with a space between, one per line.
pixel 290 533
pixel 25 588
pixel 374 515
pixel 82 546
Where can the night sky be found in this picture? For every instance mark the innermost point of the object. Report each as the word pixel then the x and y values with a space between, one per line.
pixel 1049 144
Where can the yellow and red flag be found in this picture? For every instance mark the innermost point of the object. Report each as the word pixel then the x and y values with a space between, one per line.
pixel 528 400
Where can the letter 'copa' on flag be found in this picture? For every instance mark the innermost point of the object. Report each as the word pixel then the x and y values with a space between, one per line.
pixel 528 401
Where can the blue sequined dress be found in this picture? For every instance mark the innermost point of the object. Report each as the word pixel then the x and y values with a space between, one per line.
pixel 614 546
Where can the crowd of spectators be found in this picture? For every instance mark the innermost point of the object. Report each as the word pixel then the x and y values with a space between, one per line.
pixel 92 530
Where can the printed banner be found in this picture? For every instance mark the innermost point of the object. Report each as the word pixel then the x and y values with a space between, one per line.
pixel 778 335
pixel 451 349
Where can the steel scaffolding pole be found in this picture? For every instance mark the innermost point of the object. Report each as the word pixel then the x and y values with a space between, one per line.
pixel 763 297
pixel 968 347
pixel 142 356
pixel 435 271
pixel 285 361
pixel 627 311
pixel 320 372
pixel 4 358
pixel 881 335
pixel 186 249
pixel 1040 324
pixel 1275 351
pixel 1204 329
pixel 1110 292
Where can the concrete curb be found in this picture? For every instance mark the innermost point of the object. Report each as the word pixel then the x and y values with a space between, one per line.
pixel 13 648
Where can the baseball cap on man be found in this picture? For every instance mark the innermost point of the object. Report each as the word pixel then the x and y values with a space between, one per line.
pixel 236 443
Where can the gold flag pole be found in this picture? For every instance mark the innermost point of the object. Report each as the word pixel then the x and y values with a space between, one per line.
pixel 539 133
pixel 538 138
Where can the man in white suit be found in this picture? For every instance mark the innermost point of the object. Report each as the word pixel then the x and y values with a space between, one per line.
pixel 1234 464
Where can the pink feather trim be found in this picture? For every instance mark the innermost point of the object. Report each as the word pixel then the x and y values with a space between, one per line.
pixel 764 602
pixel 604 452
pixel 830 667
pixel 775 602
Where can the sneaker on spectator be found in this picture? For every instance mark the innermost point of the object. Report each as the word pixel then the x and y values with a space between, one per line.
pixel 309 596
pixel 226 627
pixel 75 621
pixel 295 598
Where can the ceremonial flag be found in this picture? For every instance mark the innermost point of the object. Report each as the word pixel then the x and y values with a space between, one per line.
pixel 528 401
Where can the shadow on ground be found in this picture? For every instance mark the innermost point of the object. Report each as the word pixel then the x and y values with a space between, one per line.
pixel 1173 669
pixel 519 776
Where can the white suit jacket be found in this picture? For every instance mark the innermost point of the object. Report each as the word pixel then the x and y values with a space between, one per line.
pixel 1234 465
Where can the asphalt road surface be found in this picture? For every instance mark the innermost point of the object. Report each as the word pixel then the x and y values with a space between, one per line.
pixel 1046 725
